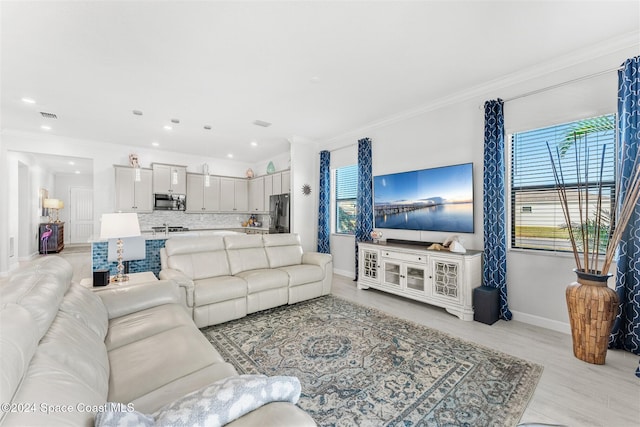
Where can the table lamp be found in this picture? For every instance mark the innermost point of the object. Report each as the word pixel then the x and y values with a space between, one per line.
pixel 50 204
pixel 117 226
pixel 60 206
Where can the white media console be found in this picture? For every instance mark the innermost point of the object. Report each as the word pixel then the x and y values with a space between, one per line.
pixel 440 278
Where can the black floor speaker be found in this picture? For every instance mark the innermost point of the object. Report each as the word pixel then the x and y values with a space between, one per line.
pixel 486 307
pixel 101 277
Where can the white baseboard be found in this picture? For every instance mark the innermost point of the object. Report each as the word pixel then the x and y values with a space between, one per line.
pixel 346 273
pixel 531 319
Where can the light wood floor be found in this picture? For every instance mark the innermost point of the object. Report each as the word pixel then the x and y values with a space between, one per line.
pixel 570 392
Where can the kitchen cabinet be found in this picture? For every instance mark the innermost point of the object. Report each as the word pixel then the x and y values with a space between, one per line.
pixel 200 197
pixel 51 237
pixel 285 181
pixel 257 195
pixel 440 278
pixel 133 189
pixel 276 183
pixel 233 195
pixel 169 179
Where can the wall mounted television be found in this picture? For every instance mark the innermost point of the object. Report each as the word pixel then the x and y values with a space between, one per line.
pixel 437 199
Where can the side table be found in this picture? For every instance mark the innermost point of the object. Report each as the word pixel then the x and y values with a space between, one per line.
pixel 134 278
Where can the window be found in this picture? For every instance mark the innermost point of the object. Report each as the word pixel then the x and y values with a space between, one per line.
pixel 537 220
pixel 346 180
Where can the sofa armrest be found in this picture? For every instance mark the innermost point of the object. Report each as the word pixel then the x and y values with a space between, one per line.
pixel 185 283
pixel 316 258
pixel 325 262
pixel 141 296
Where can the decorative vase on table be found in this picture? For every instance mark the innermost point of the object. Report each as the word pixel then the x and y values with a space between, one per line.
pixel 592 309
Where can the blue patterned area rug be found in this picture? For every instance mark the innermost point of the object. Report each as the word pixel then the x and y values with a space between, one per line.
pixel 361 367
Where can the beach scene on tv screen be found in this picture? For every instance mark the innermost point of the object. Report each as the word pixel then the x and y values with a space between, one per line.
pixel 439 199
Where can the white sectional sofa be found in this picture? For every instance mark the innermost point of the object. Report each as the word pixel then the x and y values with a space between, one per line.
pixel 65 351
pixel 228 277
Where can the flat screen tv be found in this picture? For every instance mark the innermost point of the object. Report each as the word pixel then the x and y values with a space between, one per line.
pixel 438 199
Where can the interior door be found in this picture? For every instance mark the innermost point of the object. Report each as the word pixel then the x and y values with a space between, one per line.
pixel 81 215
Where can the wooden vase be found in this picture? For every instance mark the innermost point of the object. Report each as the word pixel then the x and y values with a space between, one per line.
pixel 592 309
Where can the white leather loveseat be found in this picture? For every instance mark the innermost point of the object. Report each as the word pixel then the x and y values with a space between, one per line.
pixel 65 351
pixel 227 277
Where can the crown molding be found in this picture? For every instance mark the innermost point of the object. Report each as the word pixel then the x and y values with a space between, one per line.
pixel 608 47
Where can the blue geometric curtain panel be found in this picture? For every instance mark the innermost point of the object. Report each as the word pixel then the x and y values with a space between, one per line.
pixel 494 205
pixel 626 329
pixel 324 204
pixel 364 201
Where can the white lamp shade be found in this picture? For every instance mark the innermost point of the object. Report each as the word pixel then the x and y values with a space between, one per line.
pixel 117 225
pixel 60 204
pixel 51 203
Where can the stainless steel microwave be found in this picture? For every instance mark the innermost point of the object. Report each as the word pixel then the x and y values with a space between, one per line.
pixel 170 202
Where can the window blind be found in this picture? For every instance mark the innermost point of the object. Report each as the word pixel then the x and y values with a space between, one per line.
pixel 346 194
pixel 579 150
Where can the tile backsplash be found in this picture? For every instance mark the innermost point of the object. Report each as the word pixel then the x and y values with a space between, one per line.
pixel 196 221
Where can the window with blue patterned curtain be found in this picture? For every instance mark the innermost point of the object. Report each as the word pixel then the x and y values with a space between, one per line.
pixel 346 179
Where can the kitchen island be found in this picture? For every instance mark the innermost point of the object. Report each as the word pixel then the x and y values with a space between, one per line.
pixel 154 241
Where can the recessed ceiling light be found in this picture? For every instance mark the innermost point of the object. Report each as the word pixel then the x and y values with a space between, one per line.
pixel 71 162
pixel 155 144
pixel 77 172
pixel 29 100
pixel 137 112
pixel 207 127
pixel 45 127
pixel 230 156
pixel 254 143
pixel 314 79
pixel 167 127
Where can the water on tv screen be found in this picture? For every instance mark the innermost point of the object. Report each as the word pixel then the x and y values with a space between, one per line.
pixel 438 199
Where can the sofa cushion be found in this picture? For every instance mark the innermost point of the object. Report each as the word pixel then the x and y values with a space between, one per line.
pixel 245 252
pixel 142 324
pixel 75 346
pixel 193 245
pixel 19 339
pixel 145 365
pixel 39 288
pixel 303 273
pixel 214 405
pixel 168 393
pixel 217 289
pixel 87 308
pixel 264 279
pixel 282 249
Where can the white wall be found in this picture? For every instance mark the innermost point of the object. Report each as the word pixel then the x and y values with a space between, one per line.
pixel 305 162
pixel 450 131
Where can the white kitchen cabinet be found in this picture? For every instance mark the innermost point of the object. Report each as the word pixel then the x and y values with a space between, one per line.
pixel 256 195
pixel 169 179
pixel 234 194
pixel 202 198
pixel 285 182
pixel 133 195
pixel 439 278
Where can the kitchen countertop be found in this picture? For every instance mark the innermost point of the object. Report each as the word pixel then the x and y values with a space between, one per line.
pixel 151 235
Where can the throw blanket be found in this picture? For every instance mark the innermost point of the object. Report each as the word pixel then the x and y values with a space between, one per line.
pixel 214 405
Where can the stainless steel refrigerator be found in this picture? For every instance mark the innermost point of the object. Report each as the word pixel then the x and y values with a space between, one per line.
pixel 279 213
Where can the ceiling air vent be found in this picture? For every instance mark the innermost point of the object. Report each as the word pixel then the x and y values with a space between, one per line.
pixel 261 123
pixel 48 115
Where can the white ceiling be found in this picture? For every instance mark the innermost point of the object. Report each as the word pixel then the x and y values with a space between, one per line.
pixel 314 69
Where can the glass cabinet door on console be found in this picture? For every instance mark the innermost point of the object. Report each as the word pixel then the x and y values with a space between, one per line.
pixel 415 277
pixel 391 273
